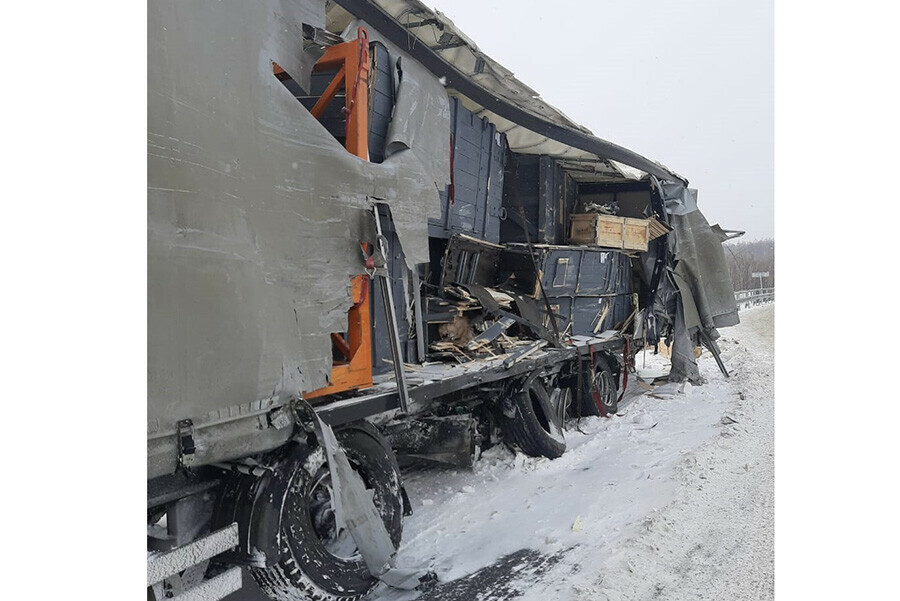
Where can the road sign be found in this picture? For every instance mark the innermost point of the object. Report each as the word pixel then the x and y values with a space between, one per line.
pixel 759 274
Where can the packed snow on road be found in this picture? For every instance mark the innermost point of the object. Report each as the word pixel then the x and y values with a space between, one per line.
pixel 672 498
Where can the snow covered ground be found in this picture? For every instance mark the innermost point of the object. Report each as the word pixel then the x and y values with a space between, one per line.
pixel 670 499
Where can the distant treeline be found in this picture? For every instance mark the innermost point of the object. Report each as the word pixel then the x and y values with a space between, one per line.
pixel 745 258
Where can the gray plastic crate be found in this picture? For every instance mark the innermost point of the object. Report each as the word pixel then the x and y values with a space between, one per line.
pixel 580 282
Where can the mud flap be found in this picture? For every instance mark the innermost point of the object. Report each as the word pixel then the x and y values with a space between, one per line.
pixel 355 510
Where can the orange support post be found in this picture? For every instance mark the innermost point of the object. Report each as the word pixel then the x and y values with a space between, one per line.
pixel 356 371
pixel 351 60
pixel 329 94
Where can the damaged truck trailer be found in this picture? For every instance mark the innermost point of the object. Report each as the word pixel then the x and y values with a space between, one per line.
pixel 368 242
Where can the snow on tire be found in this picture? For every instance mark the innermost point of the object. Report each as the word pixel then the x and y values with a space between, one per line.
pixel 316 562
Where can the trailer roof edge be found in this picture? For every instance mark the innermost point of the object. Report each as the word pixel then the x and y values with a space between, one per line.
pixel 394 31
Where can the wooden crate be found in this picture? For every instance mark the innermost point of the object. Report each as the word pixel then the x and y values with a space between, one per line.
pixel 610 231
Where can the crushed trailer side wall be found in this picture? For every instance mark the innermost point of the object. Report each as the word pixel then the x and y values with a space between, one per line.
pixel 255 213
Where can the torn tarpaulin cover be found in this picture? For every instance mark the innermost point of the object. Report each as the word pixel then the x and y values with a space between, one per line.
pixel 420 125
pixel 255 213
pixel 355 509
pixel 702 274
pixel 695 291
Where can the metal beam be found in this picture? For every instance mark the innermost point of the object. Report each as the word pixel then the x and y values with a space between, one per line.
pixel 425 22
pixel 450 45
pixel 600 188
pixel 392 30
pixel 486 372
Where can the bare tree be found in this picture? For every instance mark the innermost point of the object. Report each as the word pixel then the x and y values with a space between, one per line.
pixel 746 258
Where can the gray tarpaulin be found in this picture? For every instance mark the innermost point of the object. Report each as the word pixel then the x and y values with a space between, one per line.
pixel 702 274
pixel 678 199
pixel 695 291
pixel 255 213
pixel 684 363
pixel 421 120
pixel 355 510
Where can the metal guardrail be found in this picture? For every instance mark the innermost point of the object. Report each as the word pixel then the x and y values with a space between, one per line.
pixel 756 296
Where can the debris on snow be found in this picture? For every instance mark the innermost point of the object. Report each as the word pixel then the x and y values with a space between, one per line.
pixel 636 493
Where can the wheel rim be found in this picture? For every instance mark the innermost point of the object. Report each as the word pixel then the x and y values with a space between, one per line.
pixel 321 513
pixel 560 399
pixel 340 545
pixel 547 408
pixel 311 552
pixel 604 387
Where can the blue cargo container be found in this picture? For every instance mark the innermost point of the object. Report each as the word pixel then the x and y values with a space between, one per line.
pixel 588 288
pixel 473 203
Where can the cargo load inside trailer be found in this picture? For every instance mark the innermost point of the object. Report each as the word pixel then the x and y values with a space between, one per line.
pixel 362 248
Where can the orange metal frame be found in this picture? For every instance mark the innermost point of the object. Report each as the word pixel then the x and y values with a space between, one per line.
pixel 351 60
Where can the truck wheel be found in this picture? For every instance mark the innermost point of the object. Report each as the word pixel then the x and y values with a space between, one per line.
pixel 317 562
pixel 606 383
pixel 533 420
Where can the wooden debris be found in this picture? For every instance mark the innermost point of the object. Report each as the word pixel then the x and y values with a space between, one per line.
pixel 658 228
pixel 525 352
pixel 490 334
pixel 501 298
pixel 603 315
pixel 628 320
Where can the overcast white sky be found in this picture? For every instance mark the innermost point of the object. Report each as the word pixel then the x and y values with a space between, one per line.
pixel 689 84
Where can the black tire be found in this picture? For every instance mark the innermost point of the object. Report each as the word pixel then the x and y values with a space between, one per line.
pixel 308 569
pixel 381 100
pixel 606 382
pixel 528 422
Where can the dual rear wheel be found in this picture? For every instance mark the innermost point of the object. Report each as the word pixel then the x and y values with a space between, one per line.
pixel 599 389
pixel 534 417
pixel 319 562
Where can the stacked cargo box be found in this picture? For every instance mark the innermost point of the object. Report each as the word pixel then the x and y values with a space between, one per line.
pixel 507 199
pixel 588 288
pixel 538 188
